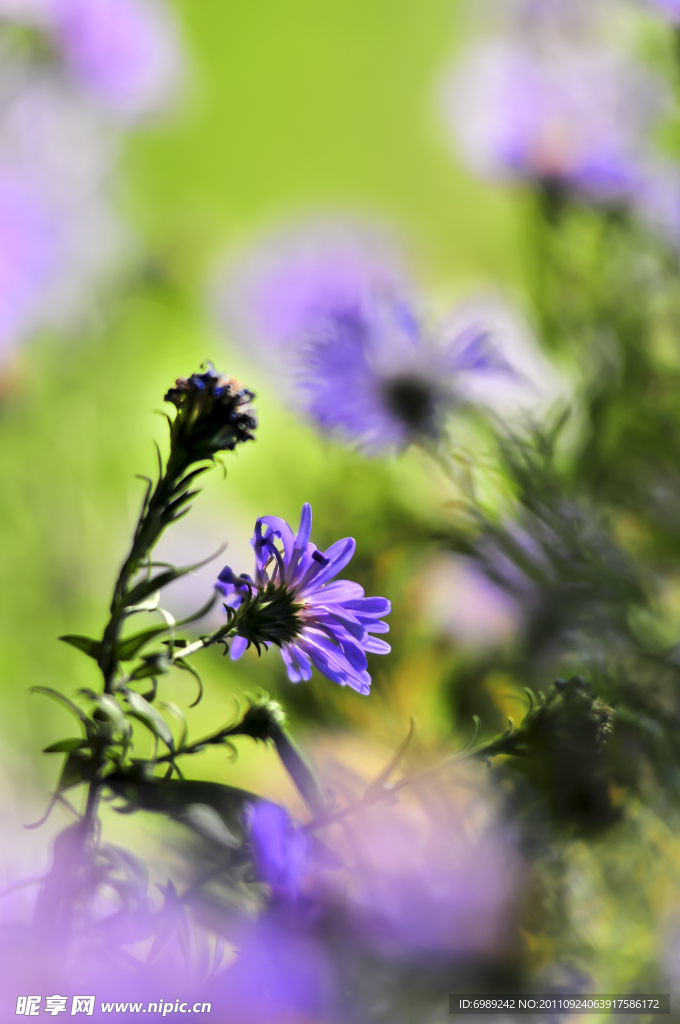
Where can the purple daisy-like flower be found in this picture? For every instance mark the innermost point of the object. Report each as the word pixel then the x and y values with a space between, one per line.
pixel 285 285
pixel 371 375
pixel 293 603
pixel 554 112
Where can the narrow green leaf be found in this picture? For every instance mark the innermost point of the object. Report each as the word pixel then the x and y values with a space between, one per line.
pixel 127 649
pixel 149 605
pixel 55 695
pixel 156 664
pixel 78 767
pixel 65 746
pixel 175 796
pixel 185 666
pixel 150 717
pixel 83 643
pixel 147 587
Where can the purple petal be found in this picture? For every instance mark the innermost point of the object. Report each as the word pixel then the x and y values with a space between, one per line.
pixel 337 614
pixel 355 654
pixel 338 555
pixel 376 627
pixel 283 530
pixel 238 646
pixel 370 606
pixel 301 540
pixel 375 646
pixel 300 660
pixel 332 662
pixel 292 670
pixel 339 592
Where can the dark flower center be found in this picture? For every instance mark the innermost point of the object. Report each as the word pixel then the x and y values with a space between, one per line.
pixel 270 615
pixel 413 401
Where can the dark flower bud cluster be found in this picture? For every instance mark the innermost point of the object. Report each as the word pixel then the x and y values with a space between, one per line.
pixel 559 757
pixel 572 720
pixel 214 414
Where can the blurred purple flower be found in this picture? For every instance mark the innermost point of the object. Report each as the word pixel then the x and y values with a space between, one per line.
pixel 282 974
pixel 286 285
pixel 576 115
pixel 424 881
pixel 291 602
pixel 124 52
pixel 339 326
pixel 283 853
pixel 29 247
pixel 58 234
pixel 460 600
pixel 374 377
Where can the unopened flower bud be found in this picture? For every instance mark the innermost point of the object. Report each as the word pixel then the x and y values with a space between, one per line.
pixel 214 414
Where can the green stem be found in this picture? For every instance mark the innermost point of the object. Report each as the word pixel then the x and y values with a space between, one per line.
pixel 148 532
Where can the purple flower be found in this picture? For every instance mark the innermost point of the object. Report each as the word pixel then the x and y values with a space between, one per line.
pixel 372 376
pixel 282 852
pixel 580 116
pixel 124 52
pixel 292 603
pixel 329 309
pixel 284 287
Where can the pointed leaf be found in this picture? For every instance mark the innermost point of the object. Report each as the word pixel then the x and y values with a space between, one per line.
pixel 150 717
pixel 127 649
pixel 83 643
pixel 78 767
pixel 65 746
pixel 55 695
pixel 174 796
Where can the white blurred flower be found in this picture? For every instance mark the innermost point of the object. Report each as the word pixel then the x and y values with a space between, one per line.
pixel 59 235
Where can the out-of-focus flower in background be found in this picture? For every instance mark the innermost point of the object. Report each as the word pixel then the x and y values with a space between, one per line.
pixel 428 879
pixel 282 973
pixel 555 113
pixel 272 296
pixel 61 235
pixel 459 600
pixel 519 383
pixel 435 874
pixel 374 377
pixel 283 852
pixel 346 332
pixel 126 53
